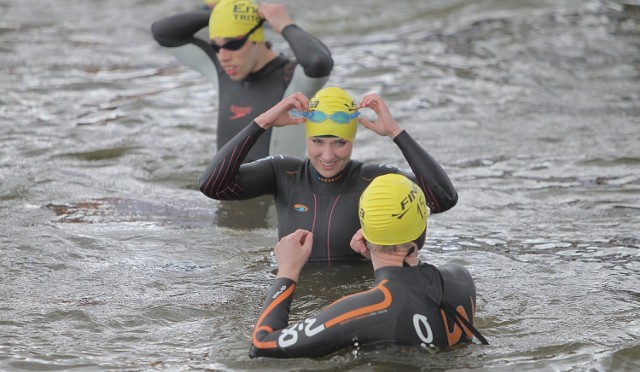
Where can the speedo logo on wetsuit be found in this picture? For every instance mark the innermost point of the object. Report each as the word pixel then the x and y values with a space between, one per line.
pixel 239 111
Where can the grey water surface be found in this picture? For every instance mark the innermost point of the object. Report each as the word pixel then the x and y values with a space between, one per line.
pixel 113 260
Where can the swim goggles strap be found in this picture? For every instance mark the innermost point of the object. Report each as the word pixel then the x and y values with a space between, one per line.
pixel 404 261
pixel 451 312
pixel 455 315
pixel 316 116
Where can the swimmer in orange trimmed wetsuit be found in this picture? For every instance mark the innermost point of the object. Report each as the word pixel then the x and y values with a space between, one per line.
pixel 410 303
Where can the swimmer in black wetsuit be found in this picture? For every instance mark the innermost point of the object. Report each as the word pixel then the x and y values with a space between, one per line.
pixel 249 76
pixel 320 194
pixel 410 303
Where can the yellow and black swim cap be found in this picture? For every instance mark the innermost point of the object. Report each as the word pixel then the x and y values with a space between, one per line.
pixel 393 210
pixel 327 102
pixel 234 18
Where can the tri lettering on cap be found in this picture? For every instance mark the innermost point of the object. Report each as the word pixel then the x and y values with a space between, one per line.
pixel 245 13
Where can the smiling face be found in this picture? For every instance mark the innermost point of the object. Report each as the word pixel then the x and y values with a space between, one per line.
pixel 329 155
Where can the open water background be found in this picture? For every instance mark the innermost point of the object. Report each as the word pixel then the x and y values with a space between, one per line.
pixel 113 260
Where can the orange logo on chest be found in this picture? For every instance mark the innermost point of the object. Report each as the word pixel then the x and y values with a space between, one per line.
pixel 239 111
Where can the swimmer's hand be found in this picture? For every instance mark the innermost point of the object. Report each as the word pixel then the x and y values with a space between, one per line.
pixel 276 15
pixel 292 252
pixel 278 115
pixel 359 244
pixel 384 124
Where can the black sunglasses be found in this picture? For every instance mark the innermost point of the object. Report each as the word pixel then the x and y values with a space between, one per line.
pixel 238 43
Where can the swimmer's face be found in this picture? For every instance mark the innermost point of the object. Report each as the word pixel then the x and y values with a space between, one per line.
pixel 329 155
pixel 237 64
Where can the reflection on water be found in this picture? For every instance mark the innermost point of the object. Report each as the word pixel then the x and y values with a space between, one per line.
pixel 247 214
pixel 113 260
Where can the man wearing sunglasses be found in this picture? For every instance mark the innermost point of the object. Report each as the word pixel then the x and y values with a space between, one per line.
pixel 249 76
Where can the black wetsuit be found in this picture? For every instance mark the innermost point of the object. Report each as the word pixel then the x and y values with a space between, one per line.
pixel 241 101
pixel 404 306
pixel 305 200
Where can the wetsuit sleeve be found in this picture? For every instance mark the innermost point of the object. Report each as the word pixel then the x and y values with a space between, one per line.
pixel 429 175
pixel 364 317
pixel 311 53
pixel 179 29
pixel 273 316
pixel 176 35
pixel 226 178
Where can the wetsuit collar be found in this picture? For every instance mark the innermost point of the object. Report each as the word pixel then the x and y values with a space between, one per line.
pixel 333 179
pixel 423 275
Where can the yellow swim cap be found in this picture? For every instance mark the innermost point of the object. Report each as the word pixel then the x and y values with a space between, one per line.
pixel 234 18
pixel 393 210
pixel 329 101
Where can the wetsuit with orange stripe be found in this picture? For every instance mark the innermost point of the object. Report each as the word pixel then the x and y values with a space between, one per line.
pixel 403 307
pixel 306 200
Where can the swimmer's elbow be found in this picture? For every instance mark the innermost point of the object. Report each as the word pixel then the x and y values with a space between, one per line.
pixel 205 187
pixel 253 352
pixel 163 33
pixel 158 31
pixel 321 66
pixel 445 200
pixel 324 66
pixel 450 201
